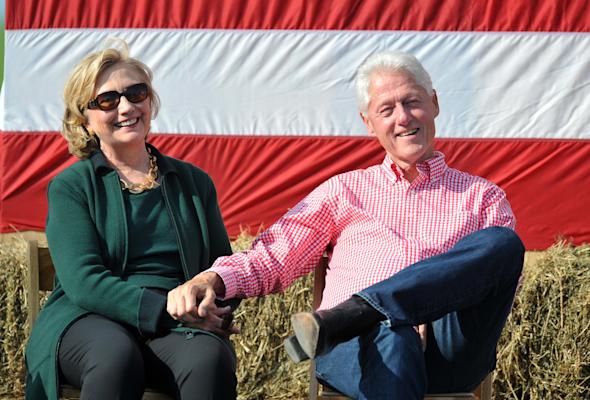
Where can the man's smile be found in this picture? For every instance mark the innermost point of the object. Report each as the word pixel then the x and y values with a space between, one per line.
pixel 407 133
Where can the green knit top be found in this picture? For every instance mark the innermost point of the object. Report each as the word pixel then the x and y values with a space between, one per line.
pixel 154 260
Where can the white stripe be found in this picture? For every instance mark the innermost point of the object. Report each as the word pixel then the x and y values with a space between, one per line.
pixel 251 82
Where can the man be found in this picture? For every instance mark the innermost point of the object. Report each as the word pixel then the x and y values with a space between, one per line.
pixel 412 243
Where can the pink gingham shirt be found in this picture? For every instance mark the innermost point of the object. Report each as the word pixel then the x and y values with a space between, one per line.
pixel 373 222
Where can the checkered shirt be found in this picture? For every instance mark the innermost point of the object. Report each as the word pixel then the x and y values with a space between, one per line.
pixel 373 223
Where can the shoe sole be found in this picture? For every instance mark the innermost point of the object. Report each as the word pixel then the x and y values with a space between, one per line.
pixel 307 332
pixel 294 350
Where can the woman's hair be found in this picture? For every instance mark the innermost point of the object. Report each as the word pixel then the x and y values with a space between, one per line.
pixel 80 89
pixel 388 62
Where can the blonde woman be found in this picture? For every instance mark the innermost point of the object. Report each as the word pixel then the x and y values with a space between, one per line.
pixel 125 225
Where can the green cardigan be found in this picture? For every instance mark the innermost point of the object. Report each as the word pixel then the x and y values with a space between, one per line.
pixel 87 235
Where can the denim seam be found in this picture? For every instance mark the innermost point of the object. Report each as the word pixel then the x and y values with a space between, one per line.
pixel 387 321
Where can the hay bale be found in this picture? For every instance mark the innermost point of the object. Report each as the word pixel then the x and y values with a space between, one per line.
pixel 264 370
pixel 544 352
pixel 13 315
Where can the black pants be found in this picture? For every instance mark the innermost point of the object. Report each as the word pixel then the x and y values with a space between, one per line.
pixel 108 360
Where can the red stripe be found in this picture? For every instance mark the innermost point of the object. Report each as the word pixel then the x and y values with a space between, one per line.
pixel 420 15
pixel 258 179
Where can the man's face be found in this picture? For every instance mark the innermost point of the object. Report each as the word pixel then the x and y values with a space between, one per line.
pixel 401 115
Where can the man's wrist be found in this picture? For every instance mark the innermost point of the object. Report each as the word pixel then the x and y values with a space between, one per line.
pixel 215 281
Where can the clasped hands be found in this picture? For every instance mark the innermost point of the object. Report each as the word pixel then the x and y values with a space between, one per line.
pixel 193 304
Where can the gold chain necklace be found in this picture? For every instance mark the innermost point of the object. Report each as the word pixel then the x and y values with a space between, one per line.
pixel 150 180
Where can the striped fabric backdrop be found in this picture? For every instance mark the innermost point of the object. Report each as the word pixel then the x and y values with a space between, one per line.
pixel 260 95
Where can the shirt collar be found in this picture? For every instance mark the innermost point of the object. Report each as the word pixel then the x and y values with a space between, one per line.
pixel 432 169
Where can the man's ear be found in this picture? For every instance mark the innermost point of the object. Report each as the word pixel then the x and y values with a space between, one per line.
pixel 435 102
pixel 367 123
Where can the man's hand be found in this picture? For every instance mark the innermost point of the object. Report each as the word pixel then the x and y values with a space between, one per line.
pixel 193 304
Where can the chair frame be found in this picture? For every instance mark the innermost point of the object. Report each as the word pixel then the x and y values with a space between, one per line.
pixel 41 274
pixel 318 391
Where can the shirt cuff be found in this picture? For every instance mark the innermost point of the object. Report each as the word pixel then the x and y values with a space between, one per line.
pixel 230 281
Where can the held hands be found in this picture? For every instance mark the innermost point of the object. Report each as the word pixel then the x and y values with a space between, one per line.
pixel 193 304
pixel 219 322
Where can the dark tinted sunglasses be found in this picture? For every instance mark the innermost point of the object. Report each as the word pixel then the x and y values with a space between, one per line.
pixel 110 100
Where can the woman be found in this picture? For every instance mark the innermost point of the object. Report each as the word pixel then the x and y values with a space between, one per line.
pixel 125 225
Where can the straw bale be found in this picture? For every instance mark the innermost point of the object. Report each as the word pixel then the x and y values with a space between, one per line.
pixel 544 352
pixel 264 370
pixel 13 315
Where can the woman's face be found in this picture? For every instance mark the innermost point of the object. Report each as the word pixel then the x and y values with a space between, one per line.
pixel 126 126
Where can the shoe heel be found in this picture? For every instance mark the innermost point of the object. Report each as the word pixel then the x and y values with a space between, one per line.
pixel 294 350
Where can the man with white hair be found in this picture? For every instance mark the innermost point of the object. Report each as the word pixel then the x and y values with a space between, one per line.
pixel 424 262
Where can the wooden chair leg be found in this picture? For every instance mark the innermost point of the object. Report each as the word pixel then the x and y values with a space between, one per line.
pixel 33 283
pixel 313 382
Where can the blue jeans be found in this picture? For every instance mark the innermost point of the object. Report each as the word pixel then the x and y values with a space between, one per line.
pixel 464 295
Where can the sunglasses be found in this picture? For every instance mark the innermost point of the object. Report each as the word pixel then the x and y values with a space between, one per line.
pixel 108 101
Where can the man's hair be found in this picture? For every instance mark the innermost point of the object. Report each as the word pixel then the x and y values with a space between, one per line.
pixel 80 88
pixel 388 62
